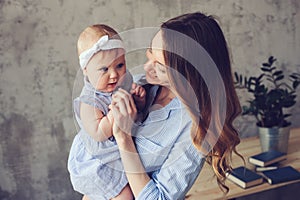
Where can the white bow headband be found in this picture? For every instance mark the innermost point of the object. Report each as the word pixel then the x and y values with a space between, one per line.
pixel 104 43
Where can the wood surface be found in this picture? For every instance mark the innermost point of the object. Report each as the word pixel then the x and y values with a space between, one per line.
pixel 206 186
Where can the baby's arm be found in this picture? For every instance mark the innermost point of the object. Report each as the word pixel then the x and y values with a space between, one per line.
pixel 139 96
pixel 125 194
pixel 98 126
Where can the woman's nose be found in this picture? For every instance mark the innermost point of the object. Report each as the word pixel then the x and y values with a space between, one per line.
pixel 148 66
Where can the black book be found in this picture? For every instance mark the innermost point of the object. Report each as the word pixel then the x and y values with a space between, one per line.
pixel 267 158
pixel 244 177
pixel 281 175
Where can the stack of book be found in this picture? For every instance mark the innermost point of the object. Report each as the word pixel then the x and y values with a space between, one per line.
pixel 268 165
pixel 244 177
pixel 267 160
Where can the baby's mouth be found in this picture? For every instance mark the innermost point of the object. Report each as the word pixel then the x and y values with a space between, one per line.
pixel 112 84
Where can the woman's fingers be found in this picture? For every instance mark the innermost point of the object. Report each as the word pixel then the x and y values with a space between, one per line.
pixel 123 103
pixel 122 121
pixel 124 107
pixel 122 94
pixel 126 99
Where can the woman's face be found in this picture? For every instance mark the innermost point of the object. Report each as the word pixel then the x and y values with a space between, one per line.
pixel 155 67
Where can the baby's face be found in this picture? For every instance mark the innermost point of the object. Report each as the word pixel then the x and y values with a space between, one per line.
pixel 105 69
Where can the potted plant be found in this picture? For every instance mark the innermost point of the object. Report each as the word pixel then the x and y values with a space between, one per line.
pixel 271 96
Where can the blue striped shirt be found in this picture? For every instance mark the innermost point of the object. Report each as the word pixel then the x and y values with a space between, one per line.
pixel 164 144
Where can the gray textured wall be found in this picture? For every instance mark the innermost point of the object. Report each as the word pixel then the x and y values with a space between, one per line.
pixel 38 66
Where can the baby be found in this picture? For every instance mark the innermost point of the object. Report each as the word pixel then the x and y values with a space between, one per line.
pixel 102 60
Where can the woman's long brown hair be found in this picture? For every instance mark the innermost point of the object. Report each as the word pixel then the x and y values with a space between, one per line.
pixel 223 137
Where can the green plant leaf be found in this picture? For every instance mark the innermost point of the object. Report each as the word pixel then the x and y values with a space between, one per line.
pixel 265 69
pixel 288 104
pixel 241 79
pixel 296 84
pixel 276 73
pixel 260 77
pixel 266 65
pixel 246 110
pixel 294 76
pixel 271 60
pixel 236 76
pixel 279 78
pixel 270 100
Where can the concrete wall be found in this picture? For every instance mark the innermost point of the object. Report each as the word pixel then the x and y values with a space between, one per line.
pixel 38 67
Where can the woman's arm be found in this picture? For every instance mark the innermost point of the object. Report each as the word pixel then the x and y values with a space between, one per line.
pixel 135 172
pixel 125 194
pixel 124 109
pixel 175 176
pixel 98 126
pixel 172 181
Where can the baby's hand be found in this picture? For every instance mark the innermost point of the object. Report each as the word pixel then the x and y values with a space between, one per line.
pixel 139 95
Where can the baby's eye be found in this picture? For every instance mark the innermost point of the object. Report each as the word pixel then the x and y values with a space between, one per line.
pixel 120 65
pixel 103 69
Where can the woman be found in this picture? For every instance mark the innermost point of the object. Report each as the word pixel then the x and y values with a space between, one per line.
pixel 190 115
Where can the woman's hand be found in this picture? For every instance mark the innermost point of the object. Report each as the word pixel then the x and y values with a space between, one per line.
pixel 124 113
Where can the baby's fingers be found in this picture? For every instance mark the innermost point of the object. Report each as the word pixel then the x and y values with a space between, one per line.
pixel 142 92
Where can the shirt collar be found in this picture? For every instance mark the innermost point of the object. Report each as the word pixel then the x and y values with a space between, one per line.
pixel 90 88
pixel 162 113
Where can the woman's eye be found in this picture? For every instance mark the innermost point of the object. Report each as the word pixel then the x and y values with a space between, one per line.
pixel 161 68
pixel 103 69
